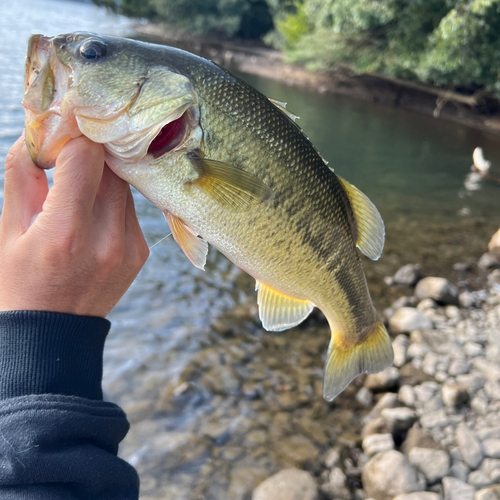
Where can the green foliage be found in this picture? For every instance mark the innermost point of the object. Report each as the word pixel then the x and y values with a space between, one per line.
pixel 444 42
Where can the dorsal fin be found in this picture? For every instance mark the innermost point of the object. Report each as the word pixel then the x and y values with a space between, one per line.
pixel 371 230
pixel 278 311
pixel 282 107
pixel 195 248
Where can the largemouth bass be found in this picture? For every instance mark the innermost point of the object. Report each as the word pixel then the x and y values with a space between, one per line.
pixel 227 166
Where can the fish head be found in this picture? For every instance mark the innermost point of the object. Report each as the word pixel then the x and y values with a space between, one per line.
pixel 114 91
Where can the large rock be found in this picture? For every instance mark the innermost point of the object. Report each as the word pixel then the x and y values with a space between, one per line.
pixel 288 484
pixel 494 245
pixel 454 489
pixel 434 464
pixel 407 319
pixel 389 474
pixel 470 447
pixel 438 289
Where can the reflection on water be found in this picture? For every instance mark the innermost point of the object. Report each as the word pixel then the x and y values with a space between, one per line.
pixel 216 403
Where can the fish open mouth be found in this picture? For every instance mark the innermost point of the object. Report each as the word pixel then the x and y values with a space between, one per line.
pixel 46 82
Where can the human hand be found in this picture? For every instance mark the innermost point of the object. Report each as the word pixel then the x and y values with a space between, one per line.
pixel 74 249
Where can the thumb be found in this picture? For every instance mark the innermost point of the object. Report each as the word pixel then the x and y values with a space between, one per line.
pixel 25 189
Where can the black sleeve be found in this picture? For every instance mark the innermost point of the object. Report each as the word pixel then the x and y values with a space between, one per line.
pixel 58 439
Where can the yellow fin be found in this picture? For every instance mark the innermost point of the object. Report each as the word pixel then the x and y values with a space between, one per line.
pixel 195 248
pixel 278 311
pixel 371 230
pixel 282 107
pixel 229 185
pixel 345 363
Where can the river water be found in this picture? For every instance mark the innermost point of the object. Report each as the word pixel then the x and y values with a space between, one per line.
pixel 216 403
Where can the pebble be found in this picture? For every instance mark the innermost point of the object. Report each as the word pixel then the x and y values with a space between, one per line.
pixel 434 464
pixel 491 448
pixel 453 395
pixel 407 396
pixel 407 319
pixel 494 245
pixel 488 261
pixel 389 474
pixel 398 420
pixel 438 289
pixel 377 443
pixel 470 447
pixel 479 479
pixel 488 494
pixel 454 489
pixel 297 450
pixel 364 397
pixel 383 381
pixel 288 484
pixel 407 275
pixel 420 495
pixel 399 346
pixel 460 471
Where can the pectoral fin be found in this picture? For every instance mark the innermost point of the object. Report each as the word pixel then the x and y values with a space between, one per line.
pixel 195 248
pixel 371 230
pixel 229 185
pixel 278 311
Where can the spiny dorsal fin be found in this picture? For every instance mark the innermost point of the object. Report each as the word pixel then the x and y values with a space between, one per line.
pixel 229 185
pixel 282 107
pixel 344 363
pixel 371 230
pixel 195 248
pixel 278 311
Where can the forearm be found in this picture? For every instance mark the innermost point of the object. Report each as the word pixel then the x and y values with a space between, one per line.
pixel 58 439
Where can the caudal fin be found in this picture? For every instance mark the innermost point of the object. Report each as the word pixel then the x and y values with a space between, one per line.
pixel 343 364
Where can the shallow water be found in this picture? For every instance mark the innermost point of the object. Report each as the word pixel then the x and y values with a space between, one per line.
pixel 217 403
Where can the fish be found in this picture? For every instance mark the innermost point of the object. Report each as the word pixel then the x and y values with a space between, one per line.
pixel 228 167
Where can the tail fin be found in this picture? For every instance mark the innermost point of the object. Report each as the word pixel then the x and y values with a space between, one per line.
pixel 343 364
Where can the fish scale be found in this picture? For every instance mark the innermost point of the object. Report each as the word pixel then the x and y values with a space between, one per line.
pixel 243 177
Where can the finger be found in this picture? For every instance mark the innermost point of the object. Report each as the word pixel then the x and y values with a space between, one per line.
pixel 111 199
pixel 135 237
pixel 25 188
pixel 77 177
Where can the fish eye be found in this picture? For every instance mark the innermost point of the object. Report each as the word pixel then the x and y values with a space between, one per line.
pixel 93 50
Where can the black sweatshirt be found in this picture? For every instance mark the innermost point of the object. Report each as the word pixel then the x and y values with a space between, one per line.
pixel 58 438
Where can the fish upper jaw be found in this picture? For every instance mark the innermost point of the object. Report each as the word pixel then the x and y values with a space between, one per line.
pixel 47 81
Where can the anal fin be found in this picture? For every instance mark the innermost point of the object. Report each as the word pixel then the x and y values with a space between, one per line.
pixel 196 249
pixel 278 311
pixel 344 363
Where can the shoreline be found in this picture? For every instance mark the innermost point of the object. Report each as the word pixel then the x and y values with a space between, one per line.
pixel 255 59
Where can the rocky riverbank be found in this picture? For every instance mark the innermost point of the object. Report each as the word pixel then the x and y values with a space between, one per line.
pixel 433 427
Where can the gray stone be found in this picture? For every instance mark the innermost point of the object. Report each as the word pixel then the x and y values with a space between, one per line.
pixel 454 395
pixel 426 304
pixel 434 464
pixel 388 400
pixel 296 450
pixel 492 493
pixel 399 420
pixel 438 289
pixel 472 382
pixel 434 419
pixel 459 366
pixel 389 474
pixel 420 495
pixel 460 471
pixel 426 391
pixel 470 447
pixel 399 347
pixel 407 275
pixel 479 479
pixel 377 443
pixel 407 395
pixel 466 300
pixel 429 364
pixel 492 390
pixel 336 487
pixel 489 465
pixel 454 489
pixel 364 397
pixel 489 369
pixel 288 484
pixel 493 279
pixel 408 319
pixel 453 313
pixel 488 432
pixel 479 405
pixel 384 380
pixel 491 447
pixel 488 261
